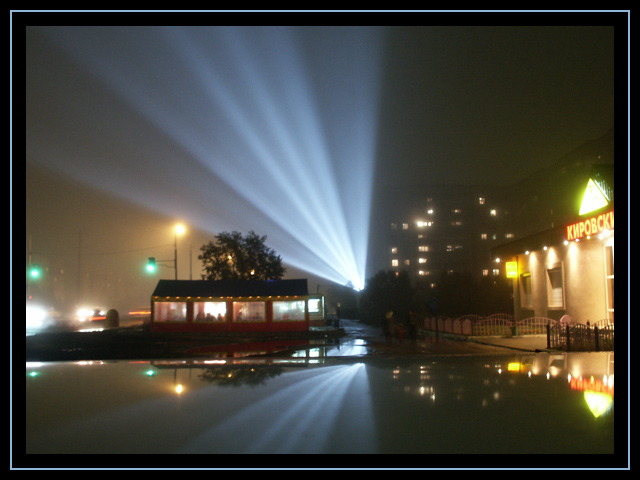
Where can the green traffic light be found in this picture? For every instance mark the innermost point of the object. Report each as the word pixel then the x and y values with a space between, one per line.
pixel 151 265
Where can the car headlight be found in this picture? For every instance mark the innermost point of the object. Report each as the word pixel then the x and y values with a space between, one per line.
pixel 35 316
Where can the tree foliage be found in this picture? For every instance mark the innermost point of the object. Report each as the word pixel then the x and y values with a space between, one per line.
pixel 236 257
pixel 386 291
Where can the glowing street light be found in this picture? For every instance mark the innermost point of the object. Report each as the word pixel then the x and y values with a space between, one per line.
pixel 179 230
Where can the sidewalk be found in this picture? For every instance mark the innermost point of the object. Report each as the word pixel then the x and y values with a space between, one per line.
pixel 533 343
pixel 446 343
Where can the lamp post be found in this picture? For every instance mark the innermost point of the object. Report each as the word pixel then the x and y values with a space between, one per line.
pixel 179 230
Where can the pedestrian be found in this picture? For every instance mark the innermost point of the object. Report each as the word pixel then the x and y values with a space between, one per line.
pixel 413 327
pixel 390 326
pixel 385 329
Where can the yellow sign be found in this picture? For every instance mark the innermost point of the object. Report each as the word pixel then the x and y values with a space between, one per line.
pixel 594 198
pixel 512 269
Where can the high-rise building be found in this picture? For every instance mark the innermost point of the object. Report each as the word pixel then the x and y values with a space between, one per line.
pixel 428 230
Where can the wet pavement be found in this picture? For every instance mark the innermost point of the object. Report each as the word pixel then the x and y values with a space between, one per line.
pixel 352 393
pixel 362 339
pixel 465 404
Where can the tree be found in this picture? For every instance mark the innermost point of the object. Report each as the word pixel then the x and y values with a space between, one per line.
pixel 234 257
pixel 386 290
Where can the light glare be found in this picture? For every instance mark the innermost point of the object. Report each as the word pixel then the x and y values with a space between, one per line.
pixel 277 127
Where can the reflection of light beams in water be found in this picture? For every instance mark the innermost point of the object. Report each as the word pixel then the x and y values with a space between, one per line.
pixel 299 418
pixel 292 138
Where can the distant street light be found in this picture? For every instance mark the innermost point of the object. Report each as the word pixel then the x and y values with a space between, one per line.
pixel 179 230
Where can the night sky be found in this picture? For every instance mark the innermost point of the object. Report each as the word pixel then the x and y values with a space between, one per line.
pixel 117 152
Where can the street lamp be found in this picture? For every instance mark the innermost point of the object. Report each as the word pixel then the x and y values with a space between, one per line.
pixel 179 230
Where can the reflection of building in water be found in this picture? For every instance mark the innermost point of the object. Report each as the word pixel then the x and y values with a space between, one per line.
pixel 591 373
pixel 235 306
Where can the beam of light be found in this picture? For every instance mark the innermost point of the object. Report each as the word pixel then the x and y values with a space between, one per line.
pixel 299 418
pixel 276 128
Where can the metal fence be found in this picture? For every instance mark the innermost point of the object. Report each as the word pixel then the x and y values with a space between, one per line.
pixel 580 337
pixel 562 334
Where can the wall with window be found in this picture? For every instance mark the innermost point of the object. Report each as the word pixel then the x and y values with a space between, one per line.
pixel 575 279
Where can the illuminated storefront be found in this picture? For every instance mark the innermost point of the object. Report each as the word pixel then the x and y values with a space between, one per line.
pixel 234 306
pixel 569 269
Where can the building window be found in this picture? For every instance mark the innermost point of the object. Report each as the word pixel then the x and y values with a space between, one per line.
pixel 493 212
pixel 210 311
pixel 496 272
pixel 407 262
pixel 288 311
pixel 483 236
pixel 394 262
pixel 170 312
pixel 248 312
pixel 509 235
pixel 481 200
pixel 394 226
pixel 423 248
pixel 394 249
pixel 485 272
pixel 422 260
pixel 608 272
pixel 456 223
pixel 525 291
pixel 555 287
pixel 405 226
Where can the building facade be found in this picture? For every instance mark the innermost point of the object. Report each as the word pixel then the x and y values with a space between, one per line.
pixel 569 269
pixel 442 229
pixel 428 230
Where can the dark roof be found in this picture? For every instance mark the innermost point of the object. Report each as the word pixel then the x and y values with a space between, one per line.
pixel 230 288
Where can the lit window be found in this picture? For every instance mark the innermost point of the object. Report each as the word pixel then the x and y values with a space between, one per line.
pixel 483 236
pixel 496 272
pixel 394 249
pixel 608 271
pixel 423 248
pixel 485 272
pixel 493 212
pixel 508 235
pixel 210 311
pixel 481 200
pixel 555 287
pixel 248 312
pixel 407 262
pixel 288 311
pixel 170 311
pixel 456 223
pixel 456 210
pixel 422 260
pixel 405 226
pixel 394 262
pixel 525 290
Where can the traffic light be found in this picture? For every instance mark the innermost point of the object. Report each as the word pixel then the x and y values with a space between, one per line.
pixel 151 265
pixel 34 272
